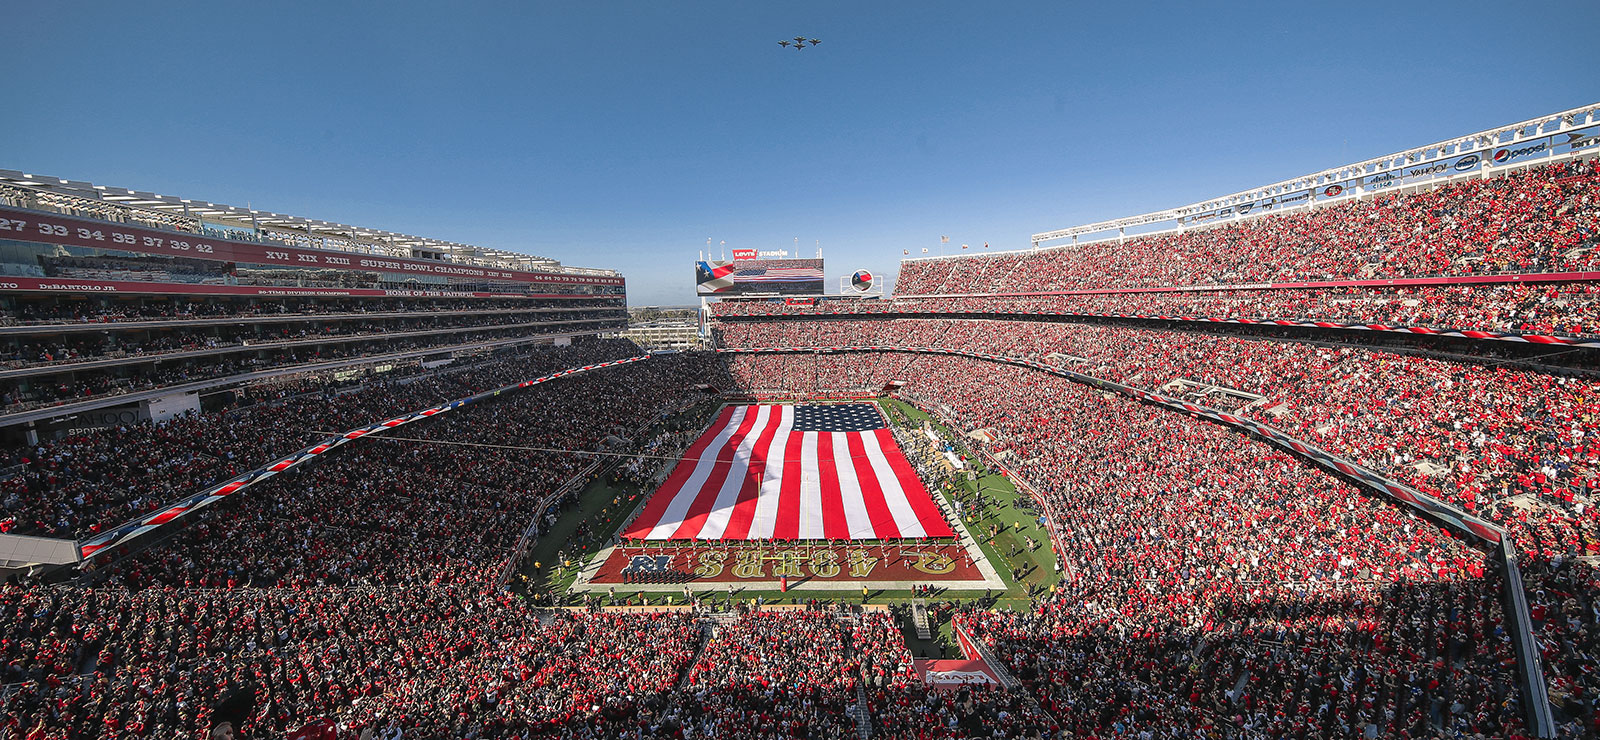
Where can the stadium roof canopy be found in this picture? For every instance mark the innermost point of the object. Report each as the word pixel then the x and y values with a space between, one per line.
pixel 374 240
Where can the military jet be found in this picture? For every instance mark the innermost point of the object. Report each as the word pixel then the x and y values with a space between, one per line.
pixel 798 42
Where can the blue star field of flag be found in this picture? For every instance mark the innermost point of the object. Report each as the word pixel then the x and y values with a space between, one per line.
pixel 844 417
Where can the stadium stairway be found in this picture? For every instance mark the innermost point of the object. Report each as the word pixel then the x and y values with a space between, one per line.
pixel 707 631
pixel 919 619
pixel 863 713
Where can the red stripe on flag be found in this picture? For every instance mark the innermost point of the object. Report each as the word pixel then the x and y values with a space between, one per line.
pixel 707 496
pixel 658 503
pixel 883 524
pixel 788 524
pixel 744 509
pixel 834 524
pixel 933 523
pixel 167 516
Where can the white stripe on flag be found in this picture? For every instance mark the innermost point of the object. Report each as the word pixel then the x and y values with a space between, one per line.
pixel 905 517
pixel 766 516
pixel 684 497
pixel 716 521
pixel 810 488
pixel 857 522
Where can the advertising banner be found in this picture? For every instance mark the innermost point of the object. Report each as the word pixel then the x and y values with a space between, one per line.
pixel 1523 151
pixel 1412 175
pixel 953 674
pixel 1577 141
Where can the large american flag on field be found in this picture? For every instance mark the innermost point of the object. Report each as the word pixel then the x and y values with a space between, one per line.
pixel 792 472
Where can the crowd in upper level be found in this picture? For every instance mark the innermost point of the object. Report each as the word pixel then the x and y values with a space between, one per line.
pixel 1539 219
pixel 54 310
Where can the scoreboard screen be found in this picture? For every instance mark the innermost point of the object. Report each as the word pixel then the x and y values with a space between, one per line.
pixel 769 276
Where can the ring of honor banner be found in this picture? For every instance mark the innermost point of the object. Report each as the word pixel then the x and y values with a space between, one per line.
pixel 791 472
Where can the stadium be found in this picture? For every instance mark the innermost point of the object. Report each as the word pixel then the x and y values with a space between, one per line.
pixel 1313 459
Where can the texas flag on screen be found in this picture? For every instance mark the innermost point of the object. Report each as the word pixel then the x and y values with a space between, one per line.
pixel 713 276
pixel 792 472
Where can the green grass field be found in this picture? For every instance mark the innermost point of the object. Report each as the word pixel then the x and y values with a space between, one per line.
pixel 1001 530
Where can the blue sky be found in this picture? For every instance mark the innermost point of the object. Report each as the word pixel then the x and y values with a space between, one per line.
pixel 625 134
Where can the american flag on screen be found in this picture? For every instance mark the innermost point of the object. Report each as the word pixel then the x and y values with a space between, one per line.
pixel 778 275
pixel 792 472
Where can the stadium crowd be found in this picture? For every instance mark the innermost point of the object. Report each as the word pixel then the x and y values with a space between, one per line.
pixel 1560 308
pixel 447 509
pixel 1514 445
pixel 1538 219
pixel 423 663
pixel 1214 586
pixel 1045 445
pixel 1214 581
pixel 54 385
pixel 77 485
pixel 52 311
pixel 60 352
pixel 321 590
